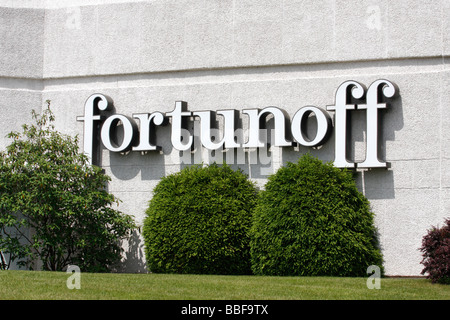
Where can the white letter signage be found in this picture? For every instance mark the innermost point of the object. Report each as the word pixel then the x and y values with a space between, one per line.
pixel 298 127
pixel 344 95
pixel 177 115
pixel 92 107
pixel 120 133
pixel 129 133
pixel 376 90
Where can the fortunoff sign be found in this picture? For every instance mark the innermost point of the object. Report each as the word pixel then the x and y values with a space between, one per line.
pixel 101 124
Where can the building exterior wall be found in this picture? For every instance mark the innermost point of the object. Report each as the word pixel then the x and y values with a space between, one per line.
pixel 243 54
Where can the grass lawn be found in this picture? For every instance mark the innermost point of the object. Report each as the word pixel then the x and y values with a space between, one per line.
pixel 32 285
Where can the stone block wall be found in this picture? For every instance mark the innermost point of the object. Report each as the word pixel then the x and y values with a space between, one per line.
pixel 243 54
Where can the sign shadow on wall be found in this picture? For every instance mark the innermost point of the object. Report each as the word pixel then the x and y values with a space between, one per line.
pixel 378 183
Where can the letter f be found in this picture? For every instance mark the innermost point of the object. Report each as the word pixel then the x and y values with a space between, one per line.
pixel 376 91
pixel 93 105
pixel 344 95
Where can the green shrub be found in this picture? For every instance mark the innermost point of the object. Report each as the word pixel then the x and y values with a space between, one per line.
pixel 312 220
pixel 54 208
pixel 198 221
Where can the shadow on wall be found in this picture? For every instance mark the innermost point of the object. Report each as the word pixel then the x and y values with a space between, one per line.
pixel 379 183
pixel 152 165
pixel 133 261
pixel 375 183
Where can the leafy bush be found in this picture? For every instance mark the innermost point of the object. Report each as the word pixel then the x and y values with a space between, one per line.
pixel 54 208
pixel 312 221
pixel 436 254
pixel 198 222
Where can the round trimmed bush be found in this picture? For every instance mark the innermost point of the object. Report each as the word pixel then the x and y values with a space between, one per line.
pixel 198 222
pixel 311 220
